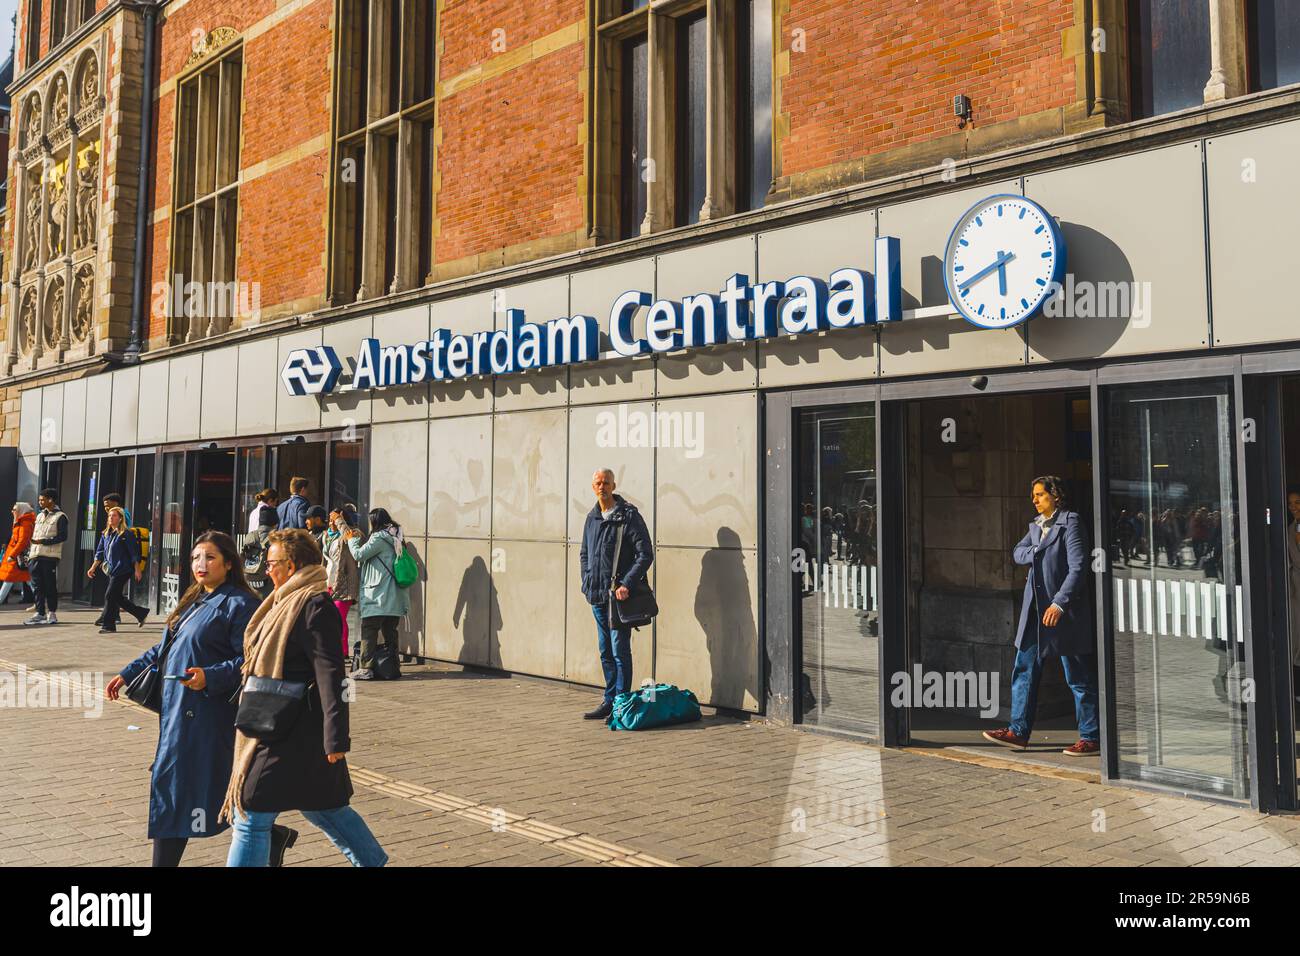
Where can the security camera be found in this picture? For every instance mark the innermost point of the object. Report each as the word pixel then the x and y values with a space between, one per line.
pixel 980 382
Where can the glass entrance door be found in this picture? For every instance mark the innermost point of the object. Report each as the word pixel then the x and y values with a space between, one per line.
pixel 836 602
pixel 1176 609
pixel 172 563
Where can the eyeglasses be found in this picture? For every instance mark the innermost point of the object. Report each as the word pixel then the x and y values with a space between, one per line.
pixel 274 561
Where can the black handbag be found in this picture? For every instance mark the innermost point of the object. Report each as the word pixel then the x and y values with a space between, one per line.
pixel 146 688
pixel 269 708
pixel 639 608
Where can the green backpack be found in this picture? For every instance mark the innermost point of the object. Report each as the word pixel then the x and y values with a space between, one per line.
pixel 405 571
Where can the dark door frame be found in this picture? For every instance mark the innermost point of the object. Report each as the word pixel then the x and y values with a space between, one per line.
pixel 780 650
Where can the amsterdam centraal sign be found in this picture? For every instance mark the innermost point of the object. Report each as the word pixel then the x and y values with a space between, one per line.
pixel 1004 259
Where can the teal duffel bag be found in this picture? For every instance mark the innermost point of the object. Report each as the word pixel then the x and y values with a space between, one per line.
pixel 654 706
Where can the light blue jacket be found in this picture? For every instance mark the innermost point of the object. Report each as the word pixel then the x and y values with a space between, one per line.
pixel 380 595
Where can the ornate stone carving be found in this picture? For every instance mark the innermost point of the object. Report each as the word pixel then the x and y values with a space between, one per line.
pixel 59 103
pixel 53 324
pixel 58 217
pixel 32 224
pixel 89 82
pixel 209 43
pixel 32 123
pixel 27 325
pixel 87 196
pixel 83 310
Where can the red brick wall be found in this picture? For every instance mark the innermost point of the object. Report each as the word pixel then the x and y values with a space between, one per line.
pixel 878 76
pixel 468 28
pixel 510 159
pixel 286 101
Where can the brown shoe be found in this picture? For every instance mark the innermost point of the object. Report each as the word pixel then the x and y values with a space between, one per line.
pixel 1084 748
pixel 1006 738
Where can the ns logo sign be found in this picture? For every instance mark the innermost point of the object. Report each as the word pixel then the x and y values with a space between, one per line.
pixel 311 371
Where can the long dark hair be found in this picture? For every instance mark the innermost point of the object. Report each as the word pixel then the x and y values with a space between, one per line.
pixel 381 520
pixel 225 545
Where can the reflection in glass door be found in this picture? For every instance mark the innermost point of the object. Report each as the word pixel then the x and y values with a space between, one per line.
pixel 836 579
pixel 171 554
pixel 1176 602
pixel 81 516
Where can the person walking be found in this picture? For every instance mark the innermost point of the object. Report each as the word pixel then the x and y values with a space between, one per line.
pixel 292 512
pixel 199 660
pixel 343 576
pixel 383 603
pixel 263 514
pixel 600 578
pixel 294 636
pixel 48 536
pixel 11 570
pixel 1055 619
pixel 118 553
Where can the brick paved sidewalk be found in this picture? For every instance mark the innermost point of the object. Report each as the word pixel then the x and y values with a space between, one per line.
pixel 453 767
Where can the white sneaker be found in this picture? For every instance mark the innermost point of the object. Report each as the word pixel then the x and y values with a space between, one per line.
pixel 35 619
pixel 52 619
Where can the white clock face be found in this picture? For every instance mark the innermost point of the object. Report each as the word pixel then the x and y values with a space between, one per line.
pixel 1001 261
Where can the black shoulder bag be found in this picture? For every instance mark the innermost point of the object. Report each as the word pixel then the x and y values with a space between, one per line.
pixel 640 606
pixel 269 708
pixel 146 688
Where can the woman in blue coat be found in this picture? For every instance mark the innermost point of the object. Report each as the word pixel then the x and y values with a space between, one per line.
pixel 118 553
pixel 196 730
pixel 1055 620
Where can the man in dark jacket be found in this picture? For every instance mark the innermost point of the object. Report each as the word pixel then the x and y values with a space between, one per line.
pixel 600 577
pixel 292 512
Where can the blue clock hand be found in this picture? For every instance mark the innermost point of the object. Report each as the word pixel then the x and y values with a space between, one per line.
pixel 998 263
pixel 1002 274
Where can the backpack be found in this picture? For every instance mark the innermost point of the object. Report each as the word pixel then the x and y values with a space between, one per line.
pixel 142 539
pixel 405 571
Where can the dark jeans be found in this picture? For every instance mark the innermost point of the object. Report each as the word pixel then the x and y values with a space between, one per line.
pixel 116 600
pixel 615 653
pixel 370 629
pixel 1080 674
pixel 167 851
pixel 45 584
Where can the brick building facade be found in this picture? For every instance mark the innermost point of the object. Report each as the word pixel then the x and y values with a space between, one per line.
pixel 216 205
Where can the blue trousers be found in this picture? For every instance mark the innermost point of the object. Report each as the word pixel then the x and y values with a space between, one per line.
pixel 251 843
pixel 615 654
pixel 1080 675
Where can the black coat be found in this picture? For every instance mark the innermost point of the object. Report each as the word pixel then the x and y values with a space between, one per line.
pixel 293 774
pixel 596 557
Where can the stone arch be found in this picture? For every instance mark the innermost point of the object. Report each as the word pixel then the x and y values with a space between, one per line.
pixel 87 85
pixel 58 102
pixel 33 120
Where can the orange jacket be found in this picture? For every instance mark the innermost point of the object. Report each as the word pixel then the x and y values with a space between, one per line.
pixel 18 543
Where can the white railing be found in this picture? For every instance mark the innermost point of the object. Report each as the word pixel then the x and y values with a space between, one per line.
pixel 1165 608
pixel 88 540
pixel 843 585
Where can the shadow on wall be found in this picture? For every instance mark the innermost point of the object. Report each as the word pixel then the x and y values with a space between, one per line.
pixel 478 620
pixel 410 635
pixel 723 611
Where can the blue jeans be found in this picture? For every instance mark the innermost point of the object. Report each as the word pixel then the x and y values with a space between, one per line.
pixel 615 654
pixel 1080 674
pixel 251 844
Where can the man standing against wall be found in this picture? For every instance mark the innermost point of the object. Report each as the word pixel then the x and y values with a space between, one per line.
pixel 600 577
pixel 48 536
pixel 293 510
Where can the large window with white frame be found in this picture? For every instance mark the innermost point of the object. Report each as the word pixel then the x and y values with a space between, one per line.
pixel 381 235
pixel 684 112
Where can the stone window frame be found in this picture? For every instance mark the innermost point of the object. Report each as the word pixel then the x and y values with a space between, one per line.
pixel 381 213
pixel 32 37
pixel 66 16
pixel 1229 35
pixel 208 117
pixel 613 24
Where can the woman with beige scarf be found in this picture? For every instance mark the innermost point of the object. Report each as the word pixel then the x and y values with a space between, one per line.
pixel 296 635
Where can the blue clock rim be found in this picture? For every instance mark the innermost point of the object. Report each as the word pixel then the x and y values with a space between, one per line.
pixel 1058 268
